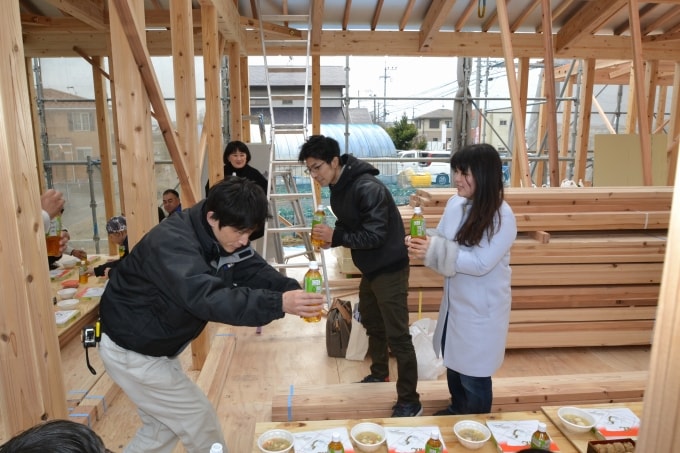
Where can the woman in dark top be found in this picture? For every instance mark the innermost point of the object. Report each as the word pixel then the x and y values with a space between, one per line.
pixel 236 158
pixel 116 227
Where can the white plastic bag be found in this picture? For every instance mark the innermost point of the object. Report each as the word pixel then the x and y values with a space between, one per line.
pixel 357 347
pixel 430 367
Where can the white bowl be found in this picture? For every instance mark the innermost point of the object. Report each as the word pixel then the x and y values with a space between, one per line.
pixel 66 303
pixel 66 293
pixel 576 420
pixel 359 429
pixel 463 429
pixel 278 436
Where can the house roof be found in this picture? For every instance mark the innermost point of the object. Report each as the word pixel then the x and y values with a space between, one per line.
pixel 330 76
pixel 439 113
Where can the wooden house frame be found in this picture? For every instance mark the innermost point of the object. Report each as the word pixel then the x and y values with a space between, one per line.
pixel 640 36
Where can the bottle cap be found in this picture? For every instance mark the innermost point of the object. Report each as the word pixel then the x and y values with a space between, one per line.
pixel 335 437
pixel 314 265
pixel 417 210
pixel 434 434
pixel 541 426
pixel 319 207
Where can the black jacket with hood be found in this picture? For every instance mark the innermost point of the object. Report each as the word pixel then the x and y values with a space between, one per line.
pixel 368 221
pixel 177 278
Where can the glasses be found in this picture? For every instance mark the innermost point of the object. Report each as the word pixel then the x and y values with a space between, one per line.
pixel 315 169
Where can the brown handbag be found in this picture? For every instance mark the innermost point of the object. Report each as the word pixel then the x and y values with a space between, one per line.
pixel 338 327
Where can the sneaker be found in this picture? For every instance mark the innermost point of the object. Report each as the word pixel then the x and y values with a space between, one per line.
pixel 371 378
pixel 407 410
pixel 446 411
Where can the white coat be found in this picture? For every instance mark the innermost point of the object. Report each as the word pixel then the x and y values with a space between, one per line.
pixel 477 298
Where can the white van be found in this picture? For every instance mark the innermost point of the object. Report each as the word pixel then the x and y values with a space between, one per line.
pixel 440 171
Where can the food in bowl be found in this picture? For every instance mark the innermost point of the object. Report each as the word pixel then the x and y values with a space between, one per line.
pixel 471 434
pixel 276 441
pixel 576 420
pixel 367 436
pixel 66 293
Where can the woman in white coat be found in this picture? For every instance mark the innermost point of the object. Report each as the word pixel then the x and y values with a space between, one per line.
pixel 471 249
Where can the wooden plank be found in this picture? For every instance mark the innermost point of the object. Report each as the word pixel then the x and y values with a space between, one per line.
pixel 577 334
pixel 213 374
pixel 338 401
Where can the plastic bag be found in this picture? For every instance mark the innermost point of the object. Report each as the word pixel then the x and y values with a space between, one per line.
pixel 430 367
pixel 357 348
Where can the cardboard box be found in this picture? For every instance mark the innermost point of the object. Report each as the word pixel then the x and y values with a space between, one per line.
pixel 592 445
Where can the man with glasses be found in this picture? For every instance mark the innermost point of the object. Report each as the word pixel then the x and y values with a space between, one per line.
pixel 369 223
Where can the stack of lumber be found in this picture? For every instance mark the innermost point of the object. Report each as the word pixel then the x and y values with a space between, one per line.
pixel 586 266
pixel 510 394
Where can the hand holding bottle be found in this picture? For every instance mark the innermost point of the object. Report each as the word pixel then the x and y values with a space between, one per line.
pixel 298 302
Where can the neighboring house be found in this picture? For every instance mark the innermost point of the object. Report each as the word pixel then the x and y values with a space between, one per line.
pixel 435 126
pixel 496 128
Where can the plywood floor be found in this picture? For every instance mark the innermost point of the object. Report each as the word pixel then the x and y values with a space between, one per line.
pixel 291 352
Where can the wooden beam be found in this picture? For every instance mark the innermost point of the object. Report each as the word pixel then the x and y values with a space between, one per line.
pixel 674 132
pixel 137 179
pixel 31 376
pixel 520 151
pixel 581 154
pixel 213 46
pixel 661 109
pixel 651 77
pixel 184 78
pixel 317 8
pixel 35 122
pixel 277 29
pixel 603 116
pixel 643 124
pixel 566 124
pixel 228 20
pixel 587 21
pixel 235 119
pixel 407 14
pixel 88 11
pixel 524 14
pixel 550 95
pixel 557 13
pixel 462 20
pixel 376 15
pixel 658 430
pixel 101 101
pixel 434 18
pixel 245 100
pixel 143 61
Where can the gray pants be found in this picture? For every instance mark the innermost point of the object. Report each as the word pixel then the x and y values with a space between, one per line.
pixel 172 407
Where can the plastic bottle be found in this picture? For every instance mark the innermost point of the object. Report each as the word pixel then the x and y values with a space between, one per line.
pixel 433 445
pixel 540 438
pixel 335 445
pixel 319 217
pixel 82 272
pixel 312 283
pixel 417 223
pixel 216 448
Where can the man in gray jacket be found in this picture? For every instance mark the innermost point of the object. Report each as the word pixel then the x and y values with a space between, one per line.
pixel 196 266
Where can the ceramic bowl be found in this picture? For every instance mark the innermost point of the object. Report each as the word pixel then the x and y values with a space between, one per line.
pixel 367 436
pixel 276 441
pixel 471 434
pixel 67 303
pixel 66 293
pixel 576 420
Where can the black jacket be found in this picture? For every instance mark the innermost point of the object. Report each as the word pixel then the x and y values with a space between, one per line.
pixel 171 284
pixel 368 221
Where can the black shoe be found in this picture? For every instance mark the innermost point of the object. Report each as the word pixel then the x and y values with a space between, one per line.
pixel 371 378
pixel 407 410
pixel 446 411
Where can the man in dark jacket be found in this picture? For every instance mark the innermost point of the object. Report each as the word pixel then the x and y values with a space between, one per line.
pixel 369 223
pixel 196 266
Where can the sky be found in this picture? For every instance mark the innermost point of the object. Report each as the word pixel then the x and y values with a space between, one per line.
pixel 381 77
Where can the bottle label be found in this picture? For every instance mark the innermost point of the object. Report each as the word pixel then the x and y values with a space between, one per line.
pixel 313 284
pixel 418 228
pixel 432 449
pixel 540 442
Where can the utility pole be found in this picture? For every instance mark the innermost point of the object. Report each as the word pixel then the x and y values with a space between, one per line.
pixel 385 77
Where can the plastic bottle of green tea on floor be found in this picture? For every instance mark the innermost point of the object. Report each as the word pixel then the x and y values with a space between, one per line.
pixel 540 438
pixel 319 217
pixel 335 445
pixel 216 448
pixel 312 283
pixel 417 223
pixel 433 445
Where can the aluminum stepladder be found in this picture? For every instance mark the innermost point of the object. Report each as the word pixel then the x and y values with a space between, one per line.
pixel 285 170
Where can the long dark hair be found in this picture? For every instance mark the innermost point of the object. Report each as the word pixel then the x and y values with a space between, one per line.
pixel 484 164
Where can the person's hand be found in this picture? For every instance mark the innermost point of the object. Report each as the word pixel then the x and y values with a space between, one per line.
pixel 323 232
pixel 80 254
pixel 52 202
pixel 298 302
pixel 417 247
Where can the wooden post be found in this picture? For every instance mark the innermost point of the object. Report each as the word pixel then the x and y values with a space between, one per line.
pixel 245 99
pixel 581 155
pixel 566 123
pixel 31 378
pixel 212 122
pixel 674 130
pixel 520 150
pixel 235 118
pixel 137 182
pixel 35 121
pixel 104 139
pixel 550 96
pixel 182 37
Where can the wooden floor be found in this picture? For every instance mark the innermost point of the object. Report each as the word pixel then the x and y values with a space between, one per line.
pixel 291 352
